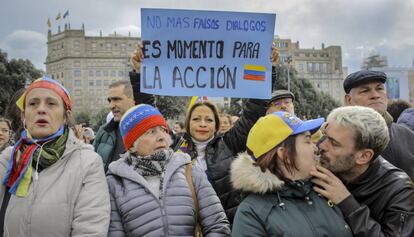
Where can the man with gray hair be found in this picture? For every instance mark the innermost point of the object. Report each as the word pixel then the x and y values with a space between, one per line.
pixel 375 197
pixel 367 88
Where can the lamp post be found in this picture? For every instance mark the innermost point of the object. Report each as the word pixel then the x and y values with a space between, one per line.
pixel 289 60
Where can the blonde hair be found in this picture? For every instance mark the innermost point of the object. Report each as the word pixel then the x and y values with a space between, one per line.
pixel 369 126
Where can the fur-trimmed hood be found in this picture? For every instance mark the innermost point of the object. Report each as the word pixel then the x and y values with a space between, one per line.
pixel 249 178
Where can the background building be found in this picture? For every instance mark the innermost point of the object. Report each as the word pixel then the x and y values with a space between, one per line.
pixel 87 65
pixel 322 67
pixel 400 82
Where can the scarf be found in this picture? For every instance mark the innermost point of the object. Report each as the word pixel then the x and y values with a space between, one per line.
pixel 151 165
pixel 201 152
pixel 46 150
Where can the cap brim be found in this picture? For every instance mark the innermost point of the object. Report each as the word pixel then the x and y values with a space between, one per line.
pixel 310 125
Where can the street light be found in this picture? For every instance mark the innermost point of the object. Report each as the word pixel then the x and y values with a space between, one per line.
pixel 288 60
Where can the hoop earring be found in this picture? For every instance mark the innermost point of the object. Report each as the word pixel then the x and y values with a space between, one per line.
pixel 24 124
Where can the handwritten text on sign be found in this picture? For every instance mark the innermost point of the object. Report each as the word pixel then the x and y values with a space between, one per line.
pixel 207 53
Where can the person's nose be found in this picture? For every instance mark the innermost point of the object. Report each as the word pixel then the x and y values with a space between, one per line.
pixel 375 94
pixel 111 104
pixel 203 123
pixel 41 109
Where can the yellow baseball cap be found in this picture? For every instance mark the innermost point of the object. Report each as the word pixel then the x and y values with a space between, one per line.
pixel 272 129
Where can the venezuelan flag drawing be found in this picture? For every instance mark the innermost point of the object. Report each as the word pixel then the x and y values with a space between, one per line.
pixel 254 72
pixel 196 99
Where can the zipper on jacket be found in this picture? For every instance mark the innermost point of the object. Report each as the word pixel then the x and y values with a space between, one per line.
pixel 402 221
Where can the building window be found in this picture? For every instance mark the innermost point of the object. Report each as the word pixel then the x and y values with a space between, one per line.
pixel 91 92
pixel 76 44
pixel 78 83
pixel 108 46
pixel 113 73
pixel 98 73
pixel 76 63
pixel 106 83
pixel 325 68
pixel 120 73
pixel 91 74
pixel 61 74
pixel 317 68
pixel 91 83
pixel 77 73
pixel 300 67
pixel 105 73
pixel 78 92
pixel 93 46
pixel 123 46
pixel 98 83
pixel 310 69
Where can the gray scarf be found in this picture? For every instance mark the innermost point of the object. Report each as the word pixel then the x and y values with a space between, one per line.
pixel 151 165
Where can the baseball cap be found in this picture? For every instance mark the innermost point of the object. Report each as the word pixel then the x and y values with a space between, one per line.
pixel 272 129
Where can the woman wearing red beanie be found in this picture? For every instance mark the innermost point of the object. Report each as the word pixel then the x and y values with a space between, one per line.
pixel 151 191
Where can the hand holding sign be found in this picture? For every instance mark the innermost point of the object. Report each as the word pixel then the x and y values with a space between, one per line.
pixel 136 58
pixel 275 55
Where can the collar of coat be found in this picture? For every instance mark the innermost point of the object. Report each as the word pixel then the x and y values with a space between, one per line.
pixel 111 126
pixel 249 178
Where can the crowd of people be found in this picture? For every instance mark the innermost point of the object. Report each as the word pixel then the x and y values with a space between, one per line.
pixel 264 172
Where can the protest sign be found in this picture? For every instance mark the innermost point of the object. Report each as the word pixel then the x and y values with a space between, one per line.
pixel 209 53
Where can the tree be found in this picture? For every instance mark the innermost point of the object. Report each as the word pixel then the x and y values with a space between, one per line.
pixel 375 60
pixel 309 102
pixel 99 118
pixel 83 118
pixel 172 106
pixel 14 75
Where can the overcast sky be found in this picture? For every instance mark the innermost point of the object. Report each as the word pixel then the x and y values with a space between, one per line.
pixel 360 27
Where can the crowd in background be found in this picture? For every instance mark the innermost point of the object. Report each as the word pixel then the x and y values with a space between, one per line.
pixel 264 172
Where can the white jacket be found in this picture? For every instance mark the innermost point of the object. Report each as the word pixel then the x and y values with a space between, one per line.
pixel 70 198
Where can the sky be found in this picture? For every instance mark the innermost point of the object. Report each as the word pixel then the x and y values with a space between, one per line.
pixel 360 27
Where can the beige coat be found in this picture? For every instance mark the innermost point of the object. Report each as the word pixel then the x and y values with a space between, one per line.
pixel 70 198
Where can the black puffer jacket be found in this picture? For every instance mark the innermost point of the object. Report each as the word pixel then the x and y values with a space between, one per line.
pixel 222 150
pixel 382 202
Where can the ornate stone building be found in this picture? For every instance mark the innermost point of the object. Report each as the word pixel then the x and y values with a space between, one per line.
pixel 322 67
pixel 86 65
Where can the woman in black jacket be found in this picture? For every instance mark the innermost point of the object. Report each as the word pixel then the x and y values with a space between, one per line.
pixel 214 152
